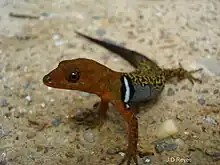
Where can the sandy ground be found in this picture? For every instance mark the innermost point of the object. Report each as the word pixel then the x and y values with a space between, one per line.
pixel 34 122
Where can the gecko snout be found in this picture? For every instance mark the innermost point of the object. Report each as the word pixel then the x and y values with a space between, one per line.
pixel 47 79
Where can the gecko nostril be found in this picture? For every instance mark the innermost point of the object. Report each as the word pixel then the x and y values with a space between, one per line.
pixel 47 78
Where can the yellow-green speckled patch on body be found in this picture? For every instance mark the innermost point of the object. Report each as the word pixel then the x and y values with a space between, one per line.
pixel 147 74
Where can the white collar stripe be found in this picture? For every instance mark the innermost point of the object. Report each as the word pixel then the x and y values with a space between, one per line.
pixel 127 90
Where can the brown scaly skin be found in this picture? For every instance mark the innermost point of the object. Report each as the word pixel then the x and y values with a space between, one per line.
pixel 90 73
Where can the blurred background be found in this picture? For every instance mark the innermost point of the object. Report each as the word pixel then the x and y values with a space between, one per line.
pixel 35 121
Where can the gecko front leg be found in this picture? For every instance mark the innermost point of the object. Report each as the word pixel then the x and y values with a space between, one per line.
pixel 131 152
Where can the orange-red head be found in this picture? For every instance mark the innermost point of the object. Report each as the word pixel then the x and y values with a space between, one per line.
pixel 78 74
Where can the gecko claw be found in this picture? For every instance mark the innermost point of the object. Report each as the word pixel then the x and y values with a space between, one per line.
pixel 132 154
pixel 188 75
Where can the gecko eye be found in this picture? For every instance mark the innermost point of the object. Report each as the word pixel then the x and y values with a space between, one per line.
pixel 74 76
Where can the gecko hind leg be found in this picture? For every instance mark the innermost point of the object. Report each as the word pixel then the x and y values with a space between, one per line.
pixel 181 74
pixel 188 74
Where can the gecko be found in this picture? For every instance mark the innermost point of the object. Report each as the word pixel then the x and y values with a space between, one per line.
pixel 121 89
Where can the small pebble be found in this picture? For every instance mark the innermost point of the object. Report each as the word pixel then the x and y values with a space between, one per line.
pixel 3 159
pixel 201 101
pixel 170 92
pixel 28 98
pixel 3 103
pixel 3 132
pixel 180 142
pixel 30 135
pixel 56 122
pixel 146 160
pixel 214 154
pixel 170 147
pixel 27 86
pixel 100 32
pixel 42 105
pixel 56 36
pixel 122 154
pixel 167 128
pixel 88 136
pixel 209 120
pixel 159 148
pixel 60 42
pixel 112 151
pixel 216 91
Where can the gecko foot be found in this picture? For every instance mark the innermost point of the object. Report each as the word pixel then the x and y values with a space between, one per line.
pixel 130 154
pixel 184 74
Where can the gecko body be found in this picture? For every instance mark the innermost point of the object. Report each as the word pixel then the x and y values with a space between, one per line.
pixel 121 89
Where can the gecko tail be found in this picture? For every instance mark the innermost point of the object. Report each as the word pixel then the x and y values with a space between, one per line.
pixel 134 58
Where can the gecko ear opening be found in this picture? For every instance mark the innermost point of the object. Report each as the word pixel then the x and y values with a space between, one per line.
pixel 73 76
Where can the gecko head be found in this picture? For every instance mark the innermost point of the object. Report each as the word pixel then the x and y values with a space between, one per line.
pixel 78 74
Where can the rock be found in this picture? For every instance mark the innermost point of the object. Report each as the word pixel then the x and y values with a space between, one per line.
pixel 42 105
pixel 60 42
pixel 167 128
pixel 100 32
pixel 3 159
pixel 56 36
pixel 210 120
pixel 146 160
pixel 159 148
pixel 170 147
pixel 170 92
pixel 3 103
pixel 30 135
pixel 88 136
pixel 3 132
pixel 112 151
pixel 201 101
pixel 216 91
pixel 28 98
pixel 55 122
pixel 214 154
pixel 179 142
pixel 26 86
